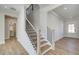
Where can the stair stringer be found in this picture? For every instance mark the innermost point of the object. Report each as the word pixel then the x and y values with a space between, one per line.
pixel 48 43
pixel 26 43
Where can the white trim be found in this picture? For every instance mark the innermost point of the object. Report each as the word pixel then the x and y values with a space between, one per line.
pixel 2 42
pixel 46 50
pixel 32 25
pixel 43 40
pixel 53 46
pixel 44 44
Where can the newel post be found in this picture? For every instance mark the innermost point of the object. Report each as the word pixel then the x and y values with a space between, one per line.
pixel 38 42
pixel 53 37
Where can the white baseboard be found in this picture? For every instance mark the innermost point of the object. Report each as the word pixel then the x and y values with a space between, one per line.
pixel 59 39
pixel 2 42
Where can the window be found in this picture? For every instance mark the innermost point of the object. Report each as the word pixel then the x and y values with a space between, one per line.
pixel 71 28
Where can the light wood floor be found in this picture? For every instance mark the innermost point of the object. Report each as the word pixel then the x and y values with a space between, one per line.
pixel 12 47
pixel 65 46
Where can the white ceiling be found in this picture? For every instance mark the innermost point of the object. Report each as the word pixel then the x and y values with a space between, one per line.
pixel 15 8
pixel 67 10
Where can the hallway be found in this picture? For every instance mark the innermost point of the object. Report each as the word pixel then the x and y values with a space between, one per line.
pixel 66 46
pixel 12 47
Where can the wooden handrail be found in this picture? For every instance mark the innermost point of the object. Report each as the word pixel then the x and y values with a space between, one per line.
pixel 31 25
pixel 38 42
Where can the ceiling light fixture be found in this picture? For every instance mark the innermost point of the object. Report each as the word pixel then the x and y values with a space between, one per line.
pixel 13 9
pixel 71 17
pixel 5 7
pixel 65 8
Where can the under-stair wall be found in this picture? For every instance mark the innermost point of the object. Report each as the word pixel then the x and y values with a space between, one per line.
pixel 22 36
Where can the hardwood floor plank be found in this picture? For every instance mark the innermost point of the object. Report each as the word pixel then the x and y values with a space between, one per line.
pixel 65 46
pixel 12 47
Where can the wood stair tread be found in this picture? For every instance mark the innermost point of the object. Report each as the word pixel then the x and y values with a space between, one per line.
pixel 30 32
pixel 35 41
pixel 42 38
pixel 43 42
pixel 34 38
pixel 50 52
pixel 32 35
pixel 45 48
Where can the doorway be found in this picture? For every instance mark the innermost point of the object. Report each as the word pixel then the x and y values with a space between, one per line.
pixel 10 27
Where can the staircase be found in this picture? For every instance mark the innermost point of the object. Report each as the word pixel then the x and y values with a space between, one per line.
pixel 40 44
pixel 44 45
